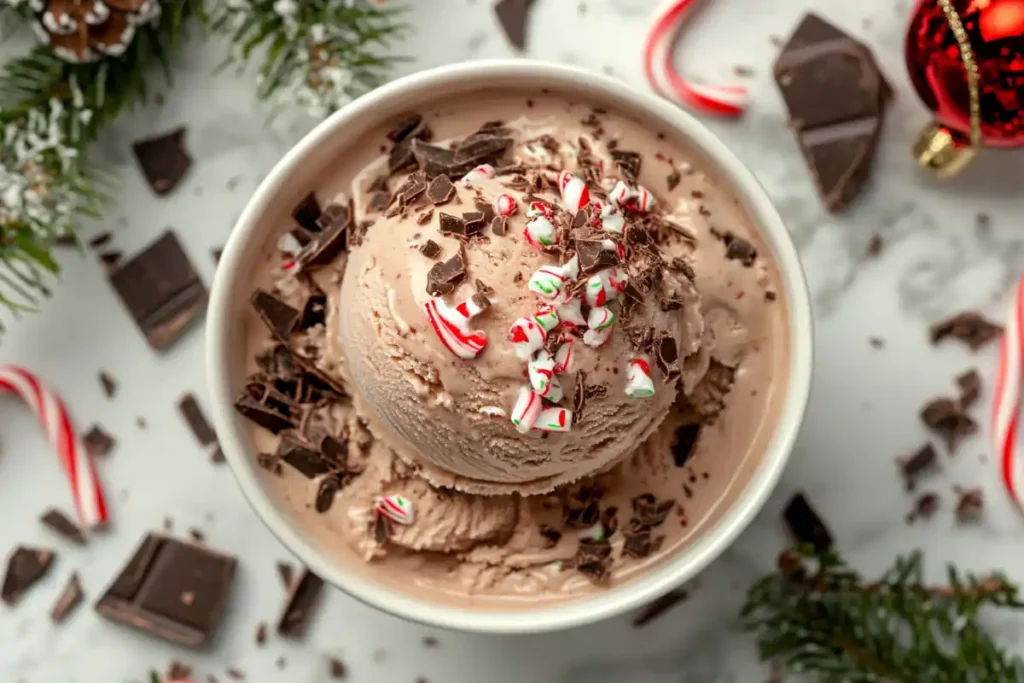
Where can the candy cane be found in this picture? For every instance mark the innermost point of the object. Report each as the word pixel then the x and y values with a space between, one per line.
pixel 1006 403
pixel 49 408
pixel 661 40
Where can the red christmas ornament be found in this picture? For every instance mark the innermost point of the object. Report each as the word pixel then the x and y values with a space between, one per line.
pixel 946 41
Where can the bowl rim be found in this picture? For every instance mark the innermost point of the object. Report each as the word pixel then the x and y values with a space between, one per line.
pixel 639 590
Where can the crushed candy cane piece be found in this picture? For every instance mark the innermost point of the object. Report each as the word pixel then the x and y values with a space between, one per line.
pixel 540 232
pixel 526 410
pixel 553 420
pixel 452 328
pixel 639 383
pixel 396 508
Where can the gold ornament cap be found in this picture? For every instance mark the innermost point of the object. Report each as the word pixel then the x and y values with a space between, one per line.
pixel 939 149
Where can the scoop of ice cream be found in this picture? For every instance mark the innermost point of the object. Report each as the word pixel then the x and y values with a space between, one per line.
pixel 452 415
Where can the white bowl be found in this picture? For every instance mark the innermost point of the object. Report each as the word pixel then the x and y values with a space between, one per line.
pixel 295 175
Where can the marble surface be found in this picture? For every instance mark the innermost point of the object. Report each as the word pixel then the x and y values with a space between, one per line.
pixel 862 412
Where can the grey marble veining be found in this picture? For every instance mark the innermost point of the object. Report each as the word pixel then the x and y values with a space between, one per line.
pixel 863 411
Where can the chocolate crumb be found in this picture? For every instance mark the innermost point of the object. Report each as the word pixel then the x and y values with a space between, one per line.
pixel 739 249
pixel 68 600
pixel 179 671
pixel 424 217
pixel 876 342
pixel 770 295
pixel 947 418
pixel 483 288
pixel 923 460
pixel 429 641
pixel 261 633
pixel 925 506
pixel 969 383
pixel 805 525
pixel 743 71
pixel 874 246
pixel 100 239
pixel 430 249
pixel 196 535
pixel 234 673
pixel 109 384
pixel 970 506
pixel 97 442
pixel 970 327
pixel 336 668
pixel 673 179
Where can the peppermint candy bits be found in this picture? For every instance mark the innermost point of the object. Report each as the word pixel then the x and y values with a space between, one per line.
pixel 637 198
pixel 396 508
pixel 539 232
pixel 575 194
pixel 553 420
pixel 481 172
pixel 563 358
pixel 452 327
pixel 597 338
pixel 505 205
pixel 570 311
pixel 598 290
pixel 526 410
pixel 600 318
pixel 527 337
pixel 541 371
pixel 639 383
pixel 547 281
pixel 546 317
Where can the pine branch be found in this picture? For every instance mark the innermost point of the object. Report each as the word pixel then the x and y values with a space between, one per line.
pixel 317 53
pixel 817 616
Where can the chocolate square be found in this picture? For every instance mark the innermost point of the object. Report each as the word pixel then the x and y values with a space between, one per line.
pixel 162 291
pixel 171 590
pixel 302 599
pixel 163 159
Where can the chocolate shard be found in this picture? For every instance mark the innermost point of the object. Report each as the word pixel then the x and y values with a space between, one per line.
pixel 444 276
pixel 805 524
pixel 62 525
pixel 280 318
pixel 332 240
pixel 969 384
pixel 68 600
pixel 947 418
pixel 308 462
pixel 970 327
pixel 430 249
pixel 404 127
pixel 302 599
pixel 172 590
pixel 683 445
pixel 594 257
pixel 836 96
pixel 189 408
pixel 480 147
pixel 440 190
pixel 307 213
pixel 314 311
pixel 267 408
pixel 451 225
pixel 162 291
pixel 473 222
pixel 434 160
pixel 513 15
pixel 164 160
pixel 25 567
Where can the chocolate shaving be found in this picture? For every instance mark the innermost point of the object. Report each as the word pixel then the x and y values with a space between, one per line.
pixel 970 327
pixel 267 408
pixel 444 276
pixel 947 418
pixel 970 388
pixel 62 525
pixel 280 318
pixel 430 249
pixel 805 524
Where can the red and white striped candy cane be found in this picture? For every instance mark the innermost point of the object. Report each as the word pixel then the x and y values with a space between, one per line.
pixel 1006 402
pixel 659 47
pixel 89 499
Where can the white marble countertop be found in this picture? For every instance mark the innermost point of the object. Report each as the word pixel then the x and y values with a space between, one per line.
pixel 862 412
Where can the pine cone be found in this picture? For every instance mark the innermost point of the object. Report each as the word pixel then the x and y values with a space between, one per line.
pixel 86 30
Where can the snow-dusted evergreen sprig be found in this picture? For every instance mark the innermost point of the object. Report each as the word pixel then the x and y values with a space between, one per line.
pixel 319 54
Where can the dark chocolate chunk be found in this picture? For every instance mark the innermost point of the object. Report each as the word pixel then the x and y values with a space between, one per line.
pixel 97 442
pixel 404 127
pixel 335 451
pixel 650 512
pixel 278 316
pixel 970 327
pixel 451 225
pixel 326 492
pixel 641 544
pixel 836 96
pixel 595 570
pixel 109 384
pixel 970 388
pixel 583 517
pixel 444 276
pixel 314 312
pixel 413 187
pixel 480 147
pixel 805 525
pixel 741 250
pixel 440 190
pixel 591 549
pixel 499 226
pixel 474 222
pixel 307 461
pixel 552 536
pixel 921 461
pixel 512 15
pixel 684 442
pixel 162 291
pixel 659 607
pixel 111 258
pixel 970 506
pixel 307 213
pixel 163 159
pixel 61 524
pixel 947 418
pixel 266 407
pixel 286 572
pixel 100 239
pixel 594 257
pixel 628 164
pixel 332 241
pixel 172 590
pixel 430 249
pixel 487 210
pixel 193 414
pixel 673 179
pixel 482 287
pixel 302 598
pixel 25 567
pixel 68 600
